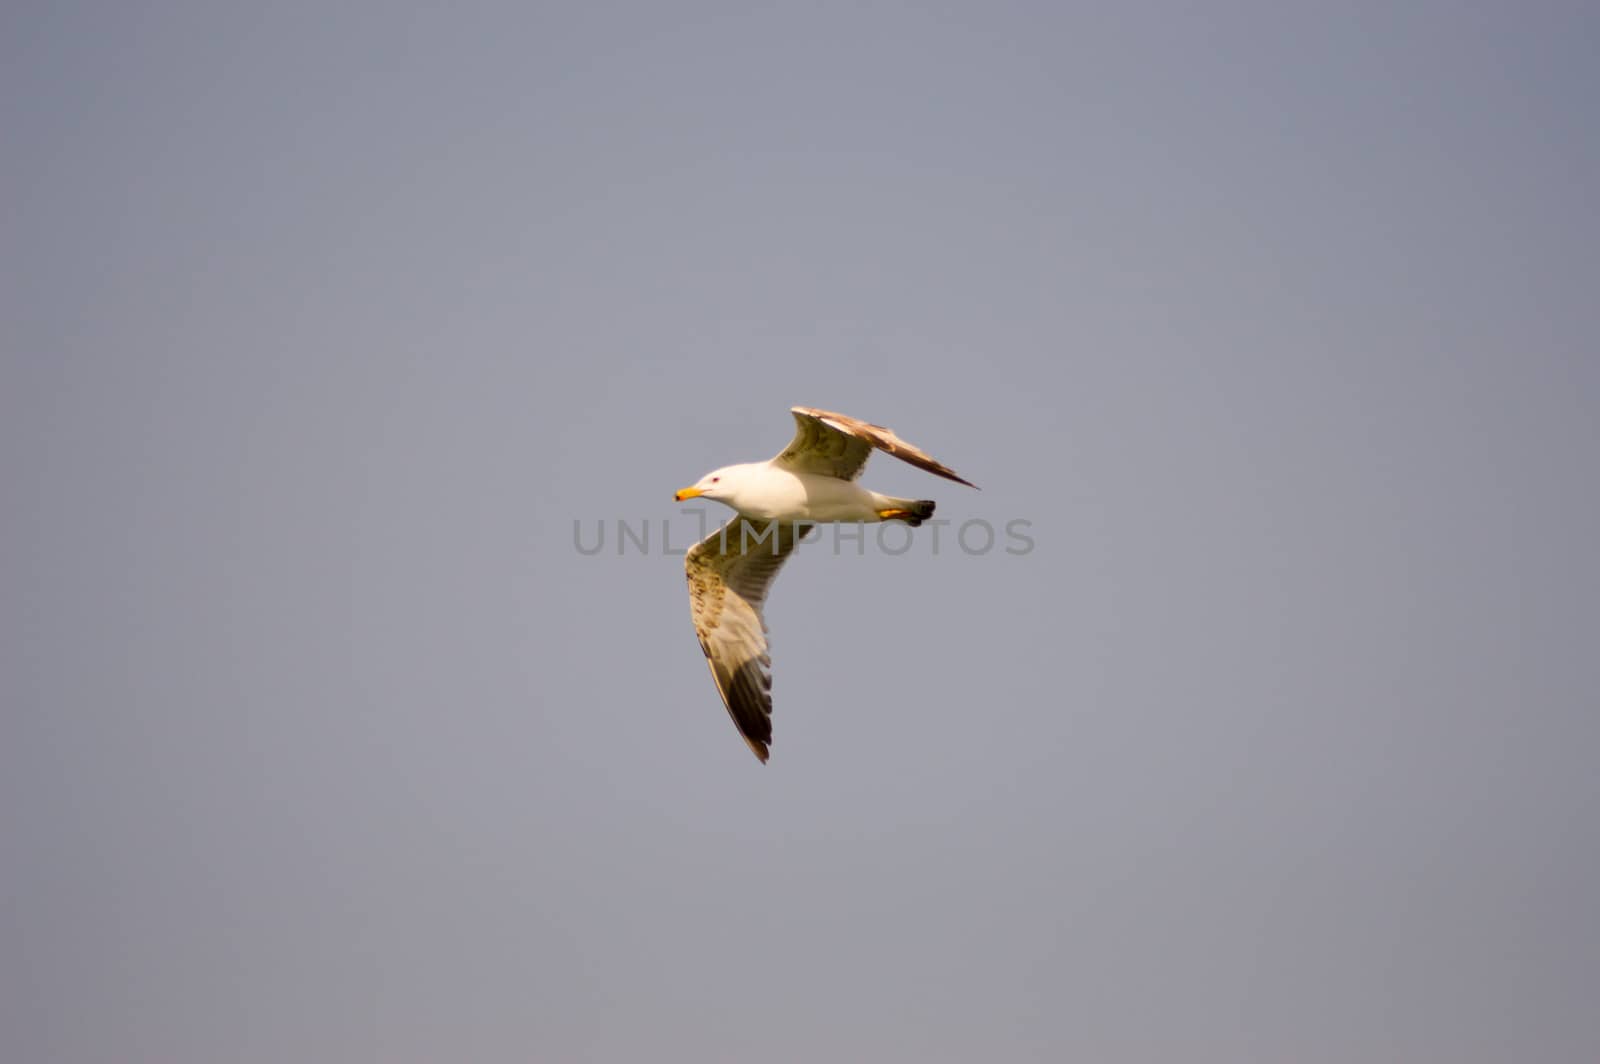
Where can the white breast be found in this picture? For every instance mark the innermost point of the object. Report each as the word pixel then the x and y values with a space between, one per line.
pixel 778 494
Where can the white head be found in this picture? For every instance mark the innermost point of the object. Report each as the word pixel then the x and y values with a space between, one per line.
pixel 720 484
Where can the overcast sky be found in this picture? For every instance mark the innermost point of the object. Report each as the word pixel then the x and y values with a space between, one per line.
pixel 324 325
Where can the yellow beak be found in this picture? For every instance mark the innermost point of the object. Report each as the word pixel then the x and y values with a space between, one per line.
pixel 687 493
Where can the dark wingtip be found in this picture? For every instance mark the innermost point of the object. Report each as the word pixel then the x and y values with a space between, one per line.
pixel 756 746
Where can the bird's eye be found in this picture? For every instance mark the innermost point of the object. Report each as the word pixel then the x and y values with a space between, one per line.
pixel 715 479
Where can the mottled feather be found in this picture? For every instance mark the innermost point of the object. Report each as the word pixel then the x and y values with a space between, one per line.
pixel 729 573
pixel 837 445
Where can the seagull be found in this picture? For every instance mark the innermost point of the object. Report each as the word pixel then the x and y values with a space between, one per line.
pixel 776 502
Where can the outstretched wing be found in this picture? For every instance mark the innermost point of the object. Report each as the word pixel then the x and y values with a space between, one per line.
pixel 833 445
pixel 729 572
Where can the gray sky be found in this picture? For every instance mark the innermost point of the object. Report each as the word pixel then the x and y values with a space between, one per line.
pixel 322 326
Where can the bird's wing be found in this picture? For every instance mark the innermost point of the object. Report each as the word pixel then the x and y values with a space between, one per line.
pixel 729 572
pixel 834 445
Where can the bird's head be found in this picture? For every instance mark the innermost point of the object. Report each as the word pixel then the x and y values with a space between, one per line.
pixel 717 484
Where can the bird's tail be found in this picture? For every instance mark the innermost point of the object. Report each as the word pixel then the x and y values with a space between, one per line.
pixel 912 511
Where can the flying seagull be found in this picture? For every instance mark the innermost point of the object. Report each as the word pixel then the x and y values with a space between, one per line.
pixel 811 482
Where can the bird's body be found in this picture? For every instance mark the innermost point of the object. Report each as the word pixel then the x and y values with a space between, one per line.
pixel 812 482
pixel 767 491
